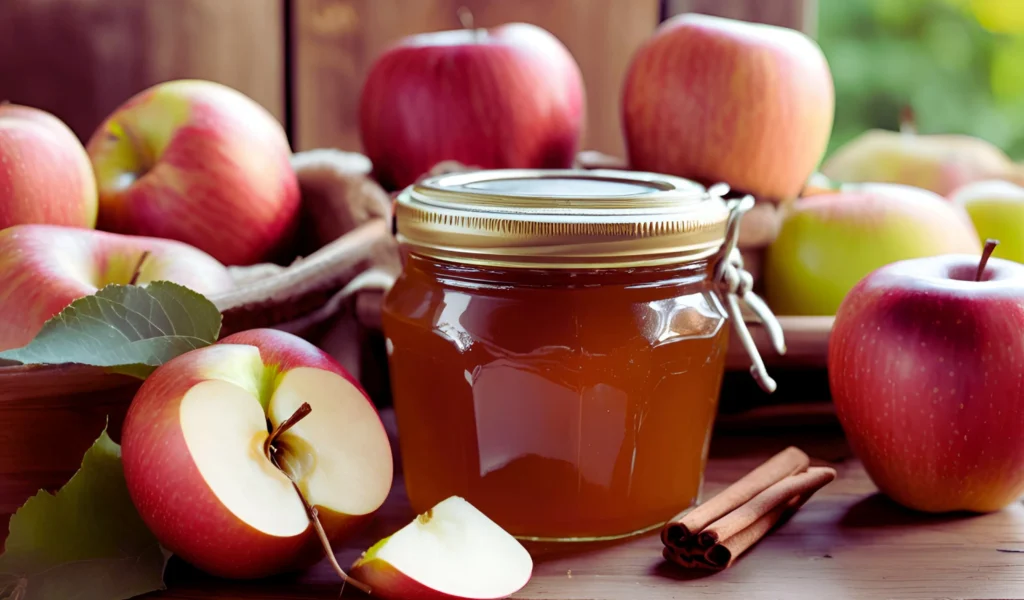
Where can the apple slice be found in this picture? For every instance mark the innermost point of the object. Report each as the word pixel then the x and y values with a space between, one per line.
pixel 229 451
pixel 451 551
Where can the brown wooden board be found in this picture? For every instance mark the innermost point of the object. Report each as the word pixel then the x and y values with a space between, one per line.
pixel 847 542
pixel 81 60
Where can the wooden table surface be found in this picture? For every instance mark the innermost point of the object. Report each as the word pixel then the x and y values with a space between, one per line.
pixel 847 542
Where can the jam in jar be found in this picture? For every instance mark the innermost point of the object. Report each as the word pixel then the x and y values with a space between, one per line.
pixel 557 342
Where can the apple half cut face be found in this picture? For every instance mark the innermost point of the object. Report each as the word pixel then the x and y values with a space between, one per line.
pixel 451 551
pixel 207 469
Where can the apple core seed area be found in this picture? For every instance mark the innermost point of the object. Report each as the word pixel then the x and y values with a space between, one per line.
pixel 224 428
pixel 339 455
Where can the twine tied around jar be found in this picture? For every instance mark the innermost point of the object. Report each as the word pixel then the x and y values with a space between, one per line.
pixel 735 284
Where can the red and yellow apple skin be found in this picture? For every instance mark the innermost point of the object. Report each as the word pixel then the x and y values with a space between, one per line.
pixel 188 496
pixel 828 242
pixel 925 370
pixel 43 268
pixel 45 175
pixel 198 162
pixel 719 100
pixel 939 163
pixel 507 97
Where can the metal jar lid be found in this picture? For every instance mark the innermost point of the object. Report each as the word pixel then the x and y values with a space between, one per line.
pixel 562 219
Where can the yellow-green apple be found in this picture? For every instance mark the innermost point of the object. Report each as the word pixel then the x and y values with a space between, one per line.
pixel 997 210
pixel 507 97
pixel 939 163
pixel 45 175
pixel 925 368
pixel 715 99
pixel 43 268
pixel 203 443
pixel 450 552
pixel 829 242
pixel 198 162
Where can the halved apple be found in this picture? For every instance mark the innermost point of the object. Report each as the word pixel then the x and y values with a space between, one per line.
pixel 451 551
pixel 205 453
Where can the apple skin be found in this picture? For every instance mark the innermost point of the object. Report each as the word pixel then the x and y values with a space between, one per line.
pixel 997 210
pixel 939 163
pixel 43 268
pixel 828 242
pixel 507 97
pixel 201 163
pixel 719 100
pixel 45 175
pixel 166 486
pixel 925 370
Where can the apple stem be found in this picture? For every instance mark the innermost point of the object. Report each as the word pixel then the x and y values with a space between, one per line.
pixel 326 543
pixel 908 121
pixel 990 246
pixel 138 268
pixel 301 413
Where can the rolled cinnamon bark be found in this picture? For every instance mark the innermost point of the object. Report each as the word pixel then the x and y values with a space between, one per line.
pixel 776 495
pixel 677 533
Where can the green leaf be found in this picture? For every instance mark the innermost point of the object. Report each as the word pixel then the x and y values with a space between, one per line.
pixel 131 328
pixel 87 542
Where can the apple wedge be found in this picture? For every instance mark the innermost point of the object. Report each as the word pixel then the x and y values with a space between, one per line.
pixel 229 449
pixel 451 551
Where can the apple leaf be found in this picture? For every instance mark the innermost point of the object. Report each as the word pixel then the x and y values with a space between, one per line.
pixel 86 542
pixel 131 328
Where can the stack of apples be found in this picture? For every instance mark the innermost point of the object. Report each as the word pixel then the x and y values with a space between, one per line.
pixel 184 178
pixel 923 360
pixel 252 456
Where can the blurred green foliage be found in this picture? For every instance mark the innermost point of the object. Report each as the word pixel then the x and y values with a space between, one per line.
pixel 958 63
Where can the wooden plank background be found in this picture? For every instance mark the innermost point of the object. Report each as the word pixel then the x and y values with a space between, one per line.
pixel 80 59
pixel 305 60
pixel 336 41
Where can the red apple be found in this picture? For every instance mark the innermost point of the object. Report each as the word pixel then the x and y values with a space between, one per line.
pixel 715 99
pixel 43 268
pixel 45 175
pixel 196 466
pixel 508 97
pixel 198 162
pixel 925 365
pixel 451 552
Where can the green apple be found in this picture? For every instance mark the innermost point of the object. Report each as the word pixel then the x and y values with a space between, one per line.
pixel 43 268
pixel 997 209
pixel 829 242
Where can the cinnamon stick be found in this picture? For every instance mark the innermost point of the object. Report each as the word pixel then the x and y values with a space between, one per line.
pixel 780 493
pixel 678 532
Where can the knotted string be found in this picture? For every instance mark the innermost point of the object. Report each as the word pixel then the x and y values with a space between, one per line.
pixel 736 284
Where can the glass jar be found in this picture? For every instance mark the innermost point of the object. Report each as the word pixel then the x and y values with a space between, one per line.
pixel 557 342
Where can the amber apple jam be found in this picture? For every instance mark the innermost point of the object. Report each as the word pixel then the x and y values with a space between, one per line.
pixel 557 342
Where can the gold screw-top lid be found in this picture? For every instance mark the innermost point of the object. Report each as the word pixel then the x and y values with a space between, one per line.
pixel 561 219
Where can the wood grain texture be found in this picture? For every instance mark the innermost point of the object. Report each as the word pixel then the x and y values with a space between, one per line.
pixel 336 41
pixel 80 59
pixel 795 14
pixel 847 542
pixel 806 344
